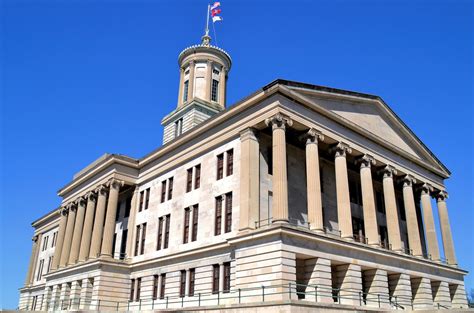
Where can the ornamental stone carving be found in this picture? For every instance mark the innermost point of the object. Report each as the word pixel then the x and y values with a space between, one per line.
pixel 426 189
pixel 388 171
pixel 408 180
pixel 279 121
pixel 313 136
pixel 365 160
pixel 340 149
pixel 442 196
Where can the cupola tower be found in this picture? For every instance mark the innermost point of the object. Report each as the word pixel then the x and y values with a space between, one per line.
pixel 202 87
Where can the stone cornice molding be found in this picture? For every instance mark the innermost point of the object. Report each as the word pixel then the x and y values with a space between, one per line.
pixel 340 149
pixel 279 121
pixel 388 171
pixel 408 180
pixel 365 160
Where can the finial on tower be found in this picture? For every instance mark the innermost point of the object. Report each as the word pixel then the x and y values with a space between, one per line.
pixel 206 39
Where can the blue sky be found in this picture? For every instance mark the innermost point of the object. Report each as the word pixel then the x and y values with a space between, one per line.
pixel 81 78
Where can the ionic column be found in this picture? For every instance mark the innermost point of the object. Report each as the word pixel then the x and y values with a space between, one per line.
pixel 77 234
pixel 249 179
pixel 191 81
pixel 109 228
pixel 431 238
pixel 280 176
pixel 393 225
pixel 446 235
pixel 181 83
pixel 98 222
pixel 313 180
pixel 222 86
pixel 368 200
pixel 344 214
pixel 68 235
pixel 33 258
pixel 88 224
pixel 131 223
pixel 410 213
pixel 207 95
pixel 60 239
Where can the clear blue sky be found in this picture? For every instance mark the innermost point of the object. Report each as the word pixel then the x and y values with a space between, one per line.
pixel 80 78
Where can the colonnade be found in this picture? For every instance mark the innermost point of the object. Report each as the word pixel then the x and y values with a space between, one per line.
pixel 87 226
pixel 340 150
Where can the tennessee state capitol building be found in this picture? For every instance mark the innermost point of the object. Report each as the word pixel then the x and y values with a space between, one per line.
pixel 297 196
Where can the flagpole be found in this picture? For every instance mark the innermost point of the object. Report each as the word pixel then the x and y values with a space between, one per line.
pixel 207 19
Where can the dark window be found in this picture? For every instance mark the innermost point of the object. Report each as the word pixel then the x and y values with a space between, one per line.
pixel 163 191
pixel 163 285
pixel 160 233
pixel 167 231
pixel 192 277
pixel 123 244
pixel 182 284
pixel 214 90
pixel 228 212
pixel 128 206
pixel 147 201
pixel 137 240
pixel 50 259
pixel 55 236
pixel 142 250
pixel 197 177
pixel 186 225
pixel 140 208
pixel 139 287
pixel 170 188
pixel 189 180
pixel 383 231
pixel 358 229
pixel 195 222
pixel 185 91
pixel 218 219
pixel 230 162
pixel 401 207
pixel 114 241
pixel 270 160
pixel 220 166
pixel 215 278
pixel 380 202
pixel 132 289
pixel 214 71
pixel 226 277
pixel 40 270
pixel 355 192
pixel 178 127
pixel 155 287
pixel 321 179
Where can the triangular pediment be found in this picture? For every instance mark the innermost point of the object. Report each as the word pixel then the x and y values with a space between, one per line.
pixel 370 115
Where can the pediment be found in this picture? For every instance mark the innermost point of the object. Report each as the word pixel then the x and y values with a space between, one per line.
pixel 373 116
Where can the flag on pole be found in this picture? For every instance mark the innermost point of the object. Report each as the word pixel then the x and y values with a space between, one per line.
pixel 215 11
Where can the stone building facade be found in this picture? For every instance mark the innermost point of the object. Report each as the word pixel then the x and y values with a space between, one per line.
pixel 296 194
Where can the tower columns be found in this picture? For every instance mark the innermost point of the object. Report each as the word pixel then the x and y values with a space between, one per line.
pixel 207 94
pixel 191 79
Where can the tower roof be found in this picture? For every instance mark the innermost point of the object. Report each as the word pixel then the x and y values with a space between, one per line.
pixel 205 47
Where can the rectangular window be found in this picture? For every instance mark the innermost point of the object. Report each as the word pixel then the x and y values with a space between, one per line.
pixel 142 250
pixel 230 162
pixel 178 127
pixel 155 287
pixel 128 206
pixel 220 166
pixel 162 286
pixel 182 284
pixel 192 277
pixel 380 202
pixel 55 236
pixel 215 278
pixel 195 222
pixel 270 160
pixel 189 180
pixel 167 231
pixel 185 91
pixel 170 188
pixel 137 240
pixel 401 208
pixel 160 233
pixel 355 192
pixel 163 191
pixel 45 243
pixel 147 201
pixel 197 176
pixel 140 208
pixel 50 261
pixel 186 225
pixel 132 289
pixel 139 287
pixel 114 241
pixel 321 179
pixel 214 90
pixel 228 212
pixel 226 277
pixel 40 270
pixel 218 219
pixel 123 244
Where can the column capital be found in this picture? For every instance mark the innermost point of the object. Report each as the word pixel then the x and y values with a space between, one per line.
pixel 81 201
pixel 408 180
pixel 312 136
pixel 388 171
pixel 72 206
pixel 115 183
pixel 340 149
pixel 248 133
pixel 35 238
pixel 64 210
pixel 441 196
pixel 91 196
pixel 365 160
pixel 279 121
pixel 426 189
pixel 101 190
